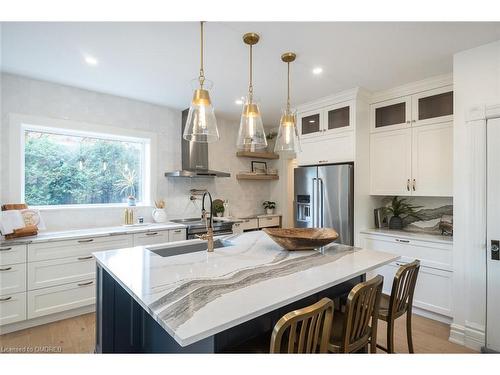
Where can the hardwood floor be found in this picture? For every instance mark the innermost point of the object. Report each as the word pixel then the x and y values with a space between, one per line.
pixel 76 335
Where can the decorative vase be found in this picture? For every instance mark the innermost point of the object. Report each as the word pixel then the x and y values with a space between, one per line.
pixel 159 215
pixel 270 211
pixel 396 223
pixel 131 201
pixel 219 214
pixel 270 144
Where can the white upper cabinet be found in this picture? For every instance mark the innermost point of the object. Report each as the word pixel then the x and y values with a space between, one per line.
pixel 411 144
pixel 391 114
pixel 327 128
pixel 390 162
pixel 432 160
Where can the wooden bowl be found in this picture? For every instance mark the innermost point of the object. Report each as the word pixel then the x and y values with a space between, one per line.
pixel 302 238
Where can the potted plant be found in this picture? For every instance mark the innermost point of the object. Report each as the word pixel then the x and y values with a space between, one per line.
pixel 269 206
pixel 271 140
pixel 399 208
pixel 218 208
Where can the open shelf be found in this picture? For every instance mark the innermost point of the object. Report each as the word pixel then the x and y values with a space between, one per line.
pixel 243 176
pixel 257 154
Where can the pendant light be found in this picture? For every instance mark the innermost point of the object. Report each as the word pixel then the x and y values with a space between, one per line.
pixel 288 136
pixel 251 135
pixel 201 125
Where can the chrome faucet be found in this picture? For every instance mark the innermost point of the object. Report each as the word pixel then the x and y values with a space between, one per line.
pixel 209 236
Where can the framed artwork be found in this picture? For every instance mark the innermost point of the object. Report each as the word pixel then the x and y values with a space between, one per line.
pixel 259 167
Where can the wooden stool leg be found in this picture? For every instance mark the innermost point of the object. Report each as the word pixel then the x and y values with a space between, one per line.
pixel 390 336
pixel 409 332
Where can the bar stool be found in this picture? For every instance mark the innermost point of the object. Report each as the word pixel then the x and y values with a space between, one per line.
pixel 355 328
pixel 304 330
pixel 399 302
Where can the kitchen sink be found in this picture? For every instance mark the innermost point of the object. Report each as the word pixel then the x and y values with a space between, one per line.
pixel 172 250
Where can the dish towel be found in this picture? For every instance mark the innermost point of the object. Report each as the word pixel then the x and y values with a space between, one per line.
pixel 10 220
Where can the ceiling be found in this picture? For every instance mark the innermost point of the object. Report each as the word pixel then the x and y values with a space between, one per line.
pixel 156 62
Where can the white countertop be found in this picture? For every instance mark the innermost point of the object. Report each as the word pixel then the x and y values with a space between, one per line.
pixel 196 295
pixel 92 232
pixel 410 235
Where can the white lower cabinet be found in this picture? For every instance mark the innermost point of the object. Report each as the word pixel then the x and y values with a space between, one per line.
pixel 12 279
pixel 150 238
pixel 433 292
pixel 176 235
pixel 12 254
pixel 60 271
pixel 60 298
pixel 12 308
pixel 266 222
pixel 249 224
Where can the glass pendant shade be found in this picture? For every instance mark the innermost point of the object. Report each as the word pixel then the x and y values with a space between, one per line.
pixel 288 136
pixel 201 125
pixel 251 135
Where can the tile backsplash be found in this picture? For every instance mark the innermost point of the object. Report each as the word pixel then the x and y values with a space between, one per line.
pixel 433 208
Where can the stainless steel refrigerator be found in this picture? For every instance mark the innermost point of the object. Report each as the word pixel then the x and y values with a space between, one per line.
pixel 324 199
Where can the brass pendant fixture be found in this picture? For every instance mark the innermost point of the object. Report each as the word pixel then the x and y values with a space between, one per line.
pixel 288 136
pixel 251 135
pixel 201 124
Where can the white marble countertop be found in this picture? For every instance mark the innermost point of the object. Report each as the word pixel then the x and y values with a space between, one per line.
pixel 196 295
pixel 410 235
pixel 92 232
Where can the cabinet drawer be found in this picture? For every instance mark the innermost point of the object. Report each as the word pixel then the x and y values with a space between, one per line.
pixel 150 238
pixel 433 289
pixel 431 254
pixel 76 247
pixel 12 308
pixel 249 224
pixel 60 271
pixel 265 222
pixel 60 298
pixel 176 235
pixel 12 254
pixel 12 279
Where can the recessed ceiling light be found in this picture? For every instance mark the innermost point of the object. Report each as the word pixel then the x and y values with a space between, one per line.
pixel 90 60
pixel 317 70
pixel 238 102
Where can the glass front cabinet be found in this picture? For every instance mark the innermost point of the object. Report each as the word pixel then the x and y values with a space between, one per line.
pixel 424 108
pixel 327 120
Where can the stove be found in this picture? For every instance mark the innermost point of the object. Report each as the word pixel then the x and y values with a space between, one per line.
pixel 196 226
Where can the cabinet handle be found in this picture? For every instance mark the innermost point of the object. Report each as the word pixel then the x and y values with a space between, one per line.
pixel 85 258
pixel 6 269
pixel 408 122
pixel 408 185
pixel 323 161
pixel 414 185
pixel 5 299
pixel 152 234
pixel 5 248
pixel 400 264
pixel 403 241
pixel 413 120
pixel 177 231
pixel 86 241
pixel 85 284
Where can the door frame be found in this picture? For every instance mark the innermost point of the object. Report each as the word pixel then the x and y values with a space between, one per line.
pixel 478 117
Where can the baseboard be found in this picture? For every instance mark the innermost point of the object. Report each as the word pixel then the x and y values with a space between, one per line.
pixel 46 319
pixel 471 335
pixel 431 315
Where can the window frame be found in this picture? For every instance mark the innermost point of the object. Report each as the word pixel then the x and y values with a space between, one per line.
pixel 20 123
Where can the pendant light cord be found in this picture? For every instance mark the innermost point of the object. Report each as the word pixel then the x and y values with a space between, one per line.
pixel 202 72
pixel 250 85
pixel 288 89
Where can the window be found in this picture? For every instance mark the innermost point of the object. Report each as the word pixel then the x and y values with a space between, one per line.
pixel 71 167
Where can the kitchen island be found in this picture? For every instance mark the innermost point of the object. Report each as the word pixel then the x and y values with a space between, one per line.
pixel 151 300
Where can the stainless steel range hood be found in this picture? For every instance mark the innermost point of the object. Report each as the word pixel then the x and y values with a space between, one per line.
pixel 194 158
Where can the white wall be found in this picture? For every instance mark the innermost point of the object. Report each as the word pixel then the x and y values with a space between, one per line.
pixel 39 98
pixel 476 79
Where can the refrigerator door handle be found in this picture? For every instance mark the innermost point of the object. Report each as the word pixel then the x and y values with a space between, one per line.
pixel 321 212
pixel 314 208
